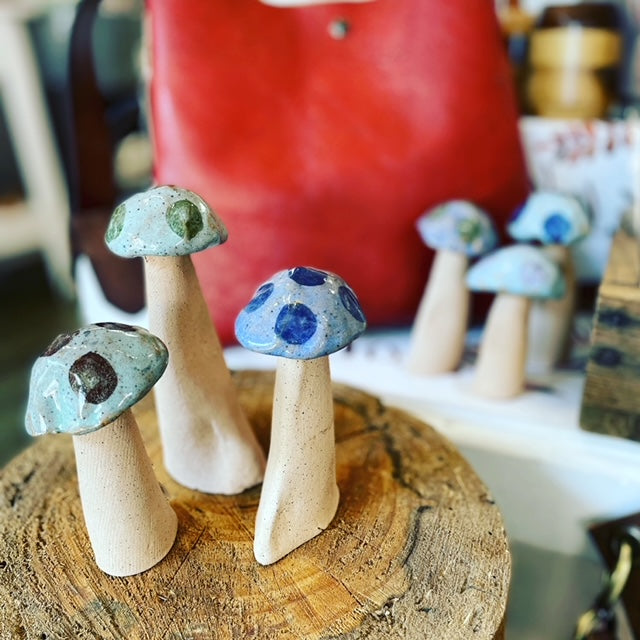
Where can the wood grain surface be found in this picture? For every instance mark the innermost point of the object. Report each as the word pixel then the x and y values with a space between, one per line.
pixel 612 384
pixel 417 549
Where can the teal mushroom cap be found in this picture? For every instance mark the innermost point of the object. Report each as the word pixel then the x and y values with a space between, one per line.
pixel 521 270
pixel 164 221
pixel 301 313
pixel 84 380
pixel 460 226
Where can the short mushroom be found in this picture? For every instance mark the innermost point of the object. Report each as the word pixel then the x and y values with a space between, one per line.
pixel 457 230
pixel 84 384
pixel 208 443
pixel 556 220
pixel 302 315
pixel 518 274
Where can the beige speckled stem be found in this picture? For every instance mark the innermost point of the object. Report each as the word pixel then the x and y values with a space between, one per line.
pixel 130 522
pixel 440 326
pixel 550 320
pixel 208 443
pixel 500 369
pixel 299 494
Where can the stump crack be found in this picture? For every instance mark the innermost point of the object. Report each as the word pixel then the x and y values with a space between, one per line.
pixel 186 556
pixel 19 488
pixel 399 468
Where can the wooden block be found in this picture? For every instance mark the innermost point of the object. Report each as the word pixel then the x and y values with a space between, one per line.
pixel 610 402
pixel 417 549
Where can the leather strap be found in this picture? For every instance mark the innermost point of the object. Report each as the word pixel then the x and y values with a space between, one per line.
pixel 94 193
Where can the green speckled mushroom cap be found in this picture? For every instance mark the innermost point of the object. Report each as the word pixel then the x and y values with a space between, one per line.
pixel 86 379
pixel 459 226
pixel 164 221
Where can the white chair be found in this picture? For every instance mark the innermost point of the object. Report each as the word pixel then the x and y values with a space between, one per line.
pixel 40 222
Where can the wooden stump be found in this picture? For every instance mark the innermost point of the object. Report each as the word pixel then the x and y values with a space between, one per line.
pixel 417 549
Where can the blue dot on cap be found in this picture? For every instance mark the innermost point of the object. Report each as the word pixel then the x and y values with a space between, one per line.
pixel 557 227
pixel 262 295
pixel 307 276
pixel 351 303
pixel 296 323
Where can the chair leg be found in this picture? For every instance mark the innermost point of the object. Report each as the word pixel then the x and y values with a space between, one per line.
pixel 36 152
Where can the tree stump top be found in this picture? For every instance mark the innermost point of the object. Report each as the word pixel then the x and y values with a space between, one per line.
pixel 417 548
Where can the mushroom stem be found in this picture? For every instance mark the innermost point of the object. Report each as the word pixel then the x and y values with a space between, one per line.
pixel 550 320
pixel 130 522
pixel 208 443
pixel 500 369
pixel 299 493
pixel 440 326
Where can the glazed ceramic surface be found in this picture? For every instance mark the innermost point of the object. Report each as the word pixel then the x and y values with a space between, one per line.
pixel 164 221
pixel 520 270
pixel 301 313
pixel 551 218
pixel 86 379
pixel 459 226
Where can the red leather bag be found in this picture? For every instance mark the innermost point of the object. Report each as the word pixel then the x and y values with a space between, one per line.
pixel 320 134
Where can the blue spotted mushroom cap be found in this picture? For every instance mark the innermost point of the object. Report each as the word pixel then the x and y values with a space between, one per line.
pixel 550 218
pixel 301 313
pixel 521 270
pixel 163 221
pixel 458 226
pixel 86 379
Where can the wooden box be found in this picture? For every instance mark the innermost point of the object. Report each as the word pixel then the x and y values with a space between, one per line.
pixel 611 400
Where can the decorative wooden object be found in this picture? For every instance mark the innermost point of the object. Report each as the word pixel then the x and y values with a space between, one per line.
pixel 574 54
pixel 417 548
pixel 612 386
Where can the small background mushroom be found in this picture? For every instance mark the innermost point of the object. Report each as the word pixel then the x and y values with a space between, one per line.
pixel 208 443
pixel 457 230
pixel 517 274
pixel 557 221
pixel 302 315
pixel 84 384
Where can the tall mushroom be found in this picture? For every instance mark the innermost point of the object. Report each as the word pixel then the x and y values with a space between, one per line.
pixel 558 221
pixel 208 443
pixel 302 315
pixel 84 384
pixel 457 230
pixel 517 274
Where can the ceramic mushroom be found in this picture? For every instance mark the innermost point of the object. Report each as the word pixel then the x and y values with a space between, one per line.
pixel 301 315
pixel 517 274
pixel 208 443
pixel 557 221
pixel 457 230
pixel 84 384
